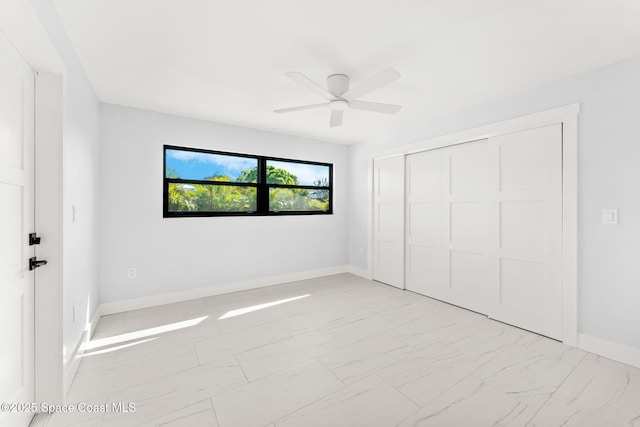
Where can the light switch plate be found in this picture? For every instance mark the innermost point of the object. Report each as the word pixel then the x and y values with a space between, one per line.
pixel 609 216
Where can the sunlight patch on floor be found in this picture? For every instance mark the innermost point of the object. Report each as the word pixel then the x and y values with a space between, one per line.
pixel 245 310
pixel 116 348
pixel 143 333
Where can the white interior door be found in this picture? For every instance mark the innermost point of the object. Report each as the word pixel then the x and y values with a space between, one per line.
pixel 526 229
pixel 388 221
pixel 16 222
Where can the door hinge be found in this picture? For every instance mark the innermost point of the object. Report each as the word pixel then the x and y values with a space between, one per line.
pixel 33 239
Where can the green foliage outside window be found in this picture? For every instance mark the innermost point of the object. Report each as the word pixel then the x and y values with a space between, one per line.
pixel 236 198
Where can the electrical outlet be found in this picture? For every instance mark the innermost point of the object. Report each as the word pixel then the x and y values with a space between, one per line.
pixel 132 272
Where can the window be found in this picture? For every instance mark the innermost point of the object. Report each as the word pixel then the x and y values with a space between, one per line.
pixel 209 183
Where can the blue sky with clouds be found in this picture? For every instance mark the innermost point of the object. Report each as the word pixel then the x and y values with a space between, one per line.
pixel 196 165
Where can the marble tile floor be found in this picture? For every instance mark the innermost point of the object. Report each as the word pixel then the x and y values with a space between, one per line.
pixel 338 351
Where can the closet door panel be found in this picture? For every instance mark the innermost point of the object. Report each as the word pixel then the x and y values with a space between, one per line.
pixel 526 230
pixel 426 263
pixel 465 223
pixel 388 221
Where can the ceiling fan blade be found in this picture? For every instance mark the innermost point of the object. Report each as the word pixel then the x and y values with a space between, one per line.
pixel 336 119
pixel 373 83
pixel 375 106
pixel 303 107
pixel 308 83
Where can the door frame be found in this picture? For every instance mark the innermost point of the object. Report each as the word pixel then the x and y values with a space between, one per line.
pixel 568 116
pixel 23 27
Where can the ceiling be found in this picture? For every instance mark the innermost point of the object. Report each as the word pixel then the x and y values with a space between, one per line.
pixel 225 60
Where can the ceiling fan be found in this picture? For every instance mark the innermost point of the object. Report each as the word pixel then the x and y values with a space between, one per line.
pixel 340 97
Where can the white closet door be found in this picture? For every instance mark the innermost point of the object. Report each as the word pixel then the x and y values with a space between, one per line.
pixel 447 224
pixel 388 221
pixel 427 264
pixel 466 224
pixel 526 230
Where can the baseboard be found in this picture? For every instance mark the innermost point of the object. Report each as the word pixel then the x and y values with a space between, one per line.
pixel 94 322
pixel 71 368
pixel 358 271
pixel 612 350
pixel 173 297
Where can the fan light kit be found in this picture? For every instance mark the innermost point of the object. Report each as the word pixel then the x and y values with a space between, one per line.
pixel 340 97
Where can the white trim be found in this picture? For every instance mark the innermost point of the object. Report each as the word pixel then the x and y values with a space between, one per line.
pixel 357 271
pixel 570 231
pixel 71 368
pixel 612 350
pixel 91 327
pixel 49 224
pixel 568 116
pixel 530 121
pixel 169 298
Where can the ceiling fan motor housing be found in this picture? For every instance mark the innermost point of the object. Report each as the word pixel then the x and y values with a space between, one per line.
pixel 337 84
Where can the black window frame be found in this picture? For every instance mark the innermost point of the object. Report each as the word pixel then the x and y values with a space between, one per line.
pixel 262 187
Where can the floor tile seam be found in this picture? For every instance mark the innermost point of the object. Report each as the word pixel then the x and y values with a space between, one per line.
pixel 215 413
pixel 295 364
pixel 257 347
pixel 241 369
pixel 386 309
pixel 200 339
pixel 464 377
pixel 244 328
pixel 340 347
pixel 535 413
pixel 597 414
pixel 381 367
pixel 173 394
pixel 288 367
pixel 155 417
pixel 35 422
pixel 404 322
pixel 548 356
pixel 344 386
pixel 155 378
pixel 565 380
pixel 159 313
pixel 144 359
pixel 404 345
pixel 458 399
pixel 50 421
pixel 274 421
pixel 395 388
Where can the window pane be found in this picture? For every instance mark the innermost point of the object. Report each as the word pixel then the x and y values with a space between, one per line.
pixel 211 198
pixel 294 199
pixel 209 167
pixel 290 173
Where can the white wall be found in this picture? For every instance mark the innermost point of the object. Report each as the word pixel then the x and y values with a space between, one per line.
pixel 609 149
pixel 177 254
pixel 80 185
